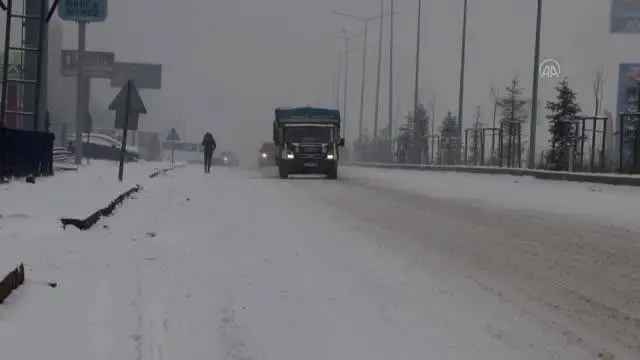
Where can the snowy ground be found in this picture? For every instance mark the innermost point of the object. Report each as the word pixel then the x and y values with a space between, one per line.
pixel 34 210
pixel 241 265
pixel 607 204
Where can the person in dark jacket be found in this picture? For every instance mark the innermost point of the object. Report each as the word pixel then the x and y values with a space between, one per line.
pixel 209 144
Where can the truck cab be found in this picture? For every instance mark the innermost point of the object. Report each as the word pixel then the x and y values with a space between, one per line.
pixel 307 141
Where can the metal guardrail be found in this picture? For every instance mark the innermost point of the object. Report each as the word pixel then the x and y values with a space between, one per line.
pixel 611 179
pixel 61 154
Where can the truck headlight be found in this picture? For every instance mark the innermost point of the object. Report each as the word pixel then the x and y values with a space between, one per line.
pixel 288 154
pixel 264 155
pixel 331 156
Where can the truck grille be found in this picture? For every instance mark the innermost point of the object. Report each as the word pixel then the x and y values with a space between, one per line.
pixel 310 149
pixel 310 156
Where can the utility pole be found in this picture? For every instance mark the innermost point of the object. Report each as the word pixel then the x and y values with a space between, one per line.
pixel 462 66
pixel 392 5
pixel 81 101
pixel 364 62
pixel 347 39
pixel 338 73
pixel 377 112
pixel 534 92
pixel 417 75
pixel 364 72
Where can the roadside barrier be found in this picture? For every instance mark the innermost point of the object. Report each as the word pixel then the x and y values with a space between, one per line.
pixel 608 178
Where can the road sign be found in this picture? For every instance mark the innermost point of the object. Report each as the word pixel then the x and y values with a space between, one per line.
pixel 128 106
pixel 83 10
pixel 133 121
pixel 128 97
pixel 145 76
pixel 98 64
pixel 173 135
pixel 625 16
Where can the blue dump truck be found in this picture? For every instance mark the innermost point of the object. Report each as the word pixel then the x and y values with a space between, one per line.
pixel 307 141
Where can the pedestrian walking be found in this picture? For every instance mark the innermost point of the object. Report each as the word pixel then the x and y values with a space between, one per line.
pixel 209 144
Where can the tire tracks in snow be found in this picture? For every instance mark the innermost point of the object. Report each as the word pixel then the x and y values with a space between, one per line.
pixel 151 324
pixel 233 340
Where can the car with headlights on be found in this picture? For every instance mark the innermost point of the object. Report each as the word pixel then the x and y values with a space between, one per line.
pixel 267 155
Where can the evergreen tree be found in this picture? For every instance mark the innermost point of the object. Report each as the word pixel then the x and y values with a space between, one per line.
pixel 561 111
pixel 449 138
pixel 513 116
pixel 417 129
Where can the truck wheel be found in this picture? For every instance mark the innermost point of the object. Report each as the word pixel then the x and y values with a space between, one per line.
pixel 282 172
pixel 332 173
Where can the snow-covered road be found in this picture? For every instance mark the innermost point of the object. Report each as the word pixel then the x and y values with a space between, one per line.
pixel 241 265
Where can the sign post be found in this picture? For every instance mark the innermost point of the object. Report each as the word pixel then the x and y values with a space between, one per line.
pixel 173 138
pixel 128 106
pixel 82 12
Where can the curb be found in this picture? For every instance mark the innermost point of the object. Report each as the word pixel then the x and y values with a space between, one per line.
pixel 165 170
pixel 609 179
pixel 11 282
pixel 91 220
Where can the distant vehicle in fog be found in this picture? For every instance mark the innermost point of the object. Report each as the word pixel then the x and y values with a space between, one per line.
pixel 267 154
pixel 226 158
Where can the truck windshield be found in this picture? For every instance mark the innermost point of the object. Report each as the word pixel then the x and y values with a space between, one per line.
pixel 317 134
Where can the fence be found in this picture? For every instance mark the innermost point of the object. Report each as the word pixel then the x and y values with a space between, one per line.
pixel 24 153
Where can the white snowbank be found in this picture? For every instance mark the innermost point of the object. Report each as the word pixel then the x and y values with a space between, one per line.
pixel 608 204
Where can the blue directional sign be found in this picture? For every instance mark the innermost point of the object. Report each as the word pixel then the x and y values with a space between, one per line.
pixel 83 10
pixel 625 16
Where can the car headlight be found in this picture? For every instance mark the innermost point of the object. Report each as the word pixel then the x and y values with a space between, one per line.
pixel 290 156
pixel 331 156
pixel 263 155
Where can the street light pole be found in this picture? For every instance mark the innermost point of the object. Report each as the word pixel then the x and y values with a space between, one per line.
pixel 346 82
pixel 392 5
pixel 462 66
pixel 364 62
pixel 377 112
pixel 347 39
pixel 534 92
pixel 338 73
pixel 364 73
pixel 417 75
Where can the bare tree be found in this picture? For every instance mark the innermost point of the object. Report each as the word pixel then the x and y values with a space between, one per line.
pixel 495 98
pixel 598 87
pixel 476 137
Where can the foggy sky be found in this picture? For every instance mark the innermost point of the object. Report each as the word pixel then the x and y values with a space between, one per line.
pixel 228 63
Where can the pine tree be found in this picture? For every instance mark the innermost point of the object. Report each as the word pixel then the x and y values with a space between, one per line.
pixel 513 115
pixel 417 128
pixel 449 138
pixel 561 111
